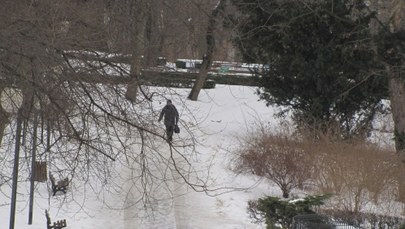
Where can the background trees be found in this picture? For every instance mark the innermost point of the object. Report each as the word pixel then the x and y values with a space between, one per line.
pixel 319 58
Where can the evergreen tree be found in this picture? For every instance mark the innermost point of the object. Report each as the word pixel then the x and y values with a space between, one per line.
pixel 319 57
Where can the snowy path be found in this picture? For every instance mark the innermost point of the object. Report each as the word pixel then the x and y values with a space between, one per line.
pixel 159 210
pixel 234 110
pixel 177 206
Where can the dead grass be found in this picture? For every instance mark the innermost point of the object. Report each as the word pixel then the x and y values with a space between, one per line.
pixel 356 172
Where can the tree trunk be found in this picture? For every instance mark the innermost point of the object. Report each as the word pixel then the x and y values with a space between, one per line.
pixel 139 13
pixel 207 60
pixel 397 96
pixel 286 191
pixel 397 87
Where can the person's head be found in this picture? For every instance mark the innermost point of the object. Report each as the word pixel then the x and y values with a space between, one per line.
pixel 169 101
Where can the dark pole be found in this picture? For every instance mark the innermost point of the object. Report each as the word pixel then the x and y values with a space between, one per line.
pixel 15 169
pixel 34 152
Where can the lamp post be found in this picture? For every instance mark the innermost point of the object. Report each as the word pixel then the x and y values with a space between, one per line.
pixel 33 170
pixel 12 100
pixel 15 169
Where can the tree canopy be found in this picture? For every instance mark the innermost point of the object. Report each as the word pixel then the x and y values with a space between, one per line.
pixel 320 59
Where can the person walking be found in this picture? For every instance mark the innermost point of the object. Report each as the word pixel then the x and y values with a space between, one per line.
pixel 171 118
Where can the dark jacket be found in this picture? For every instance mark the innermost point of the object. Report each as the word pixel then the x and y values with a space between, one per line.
pixel 171 115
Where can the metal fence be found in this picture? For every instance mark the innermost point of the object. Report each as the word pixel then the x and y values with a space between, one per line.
pixel 315 221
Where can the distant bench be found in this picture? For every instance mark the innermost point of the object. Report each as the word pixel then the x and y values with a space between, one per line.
pixel 56 225
pixel 61 185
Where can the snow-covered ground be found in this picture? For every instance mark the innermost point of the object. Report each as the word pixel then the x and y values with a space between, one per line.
pixel 221 115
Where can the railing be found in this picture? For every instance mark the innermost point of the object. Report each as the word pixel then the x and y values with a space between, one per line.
pixel 315 221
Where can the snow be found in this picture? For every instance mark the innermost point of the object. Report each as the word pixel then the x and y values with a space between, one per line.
pixel 217 120
pixel 219 116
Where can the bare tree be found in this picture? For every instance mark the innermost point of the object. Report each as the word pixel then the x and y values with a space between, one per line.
pixel 54 54
pixel 208 56
pixel 138 12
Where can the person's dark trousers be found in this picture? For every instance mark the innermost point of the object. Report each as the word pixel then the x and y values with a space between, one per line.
pixel 169 132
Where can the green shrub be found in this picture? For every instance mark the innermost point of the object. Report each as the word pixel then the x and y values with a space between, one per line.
pixel 276 212
pixel 180 64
